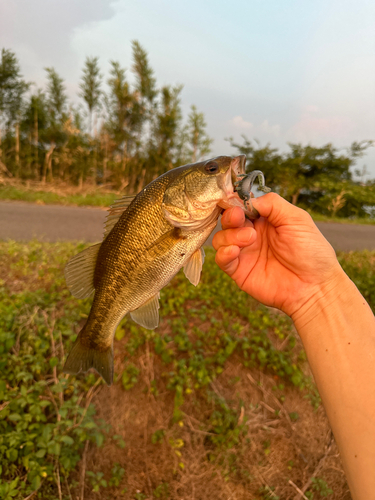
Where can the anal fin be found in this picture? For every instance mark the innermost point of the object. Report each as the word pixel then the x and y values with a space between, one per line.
pixel 148 314
pixel 193 267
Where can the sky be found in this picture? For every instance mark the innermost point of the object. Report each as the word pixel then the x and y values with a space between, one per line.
pixel 277 71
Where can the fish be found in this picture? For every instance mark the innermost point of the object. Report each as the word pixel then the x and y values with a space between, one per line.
pixel 147 240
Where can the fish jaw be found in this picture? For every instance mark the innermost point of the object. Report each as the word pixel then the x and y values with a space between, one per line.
pixel 231 198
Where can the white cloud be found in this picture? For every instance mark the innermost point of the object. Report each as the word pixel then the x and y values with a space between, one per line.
pixel 311 108
pixel 239 122
pixel 40 33
pixel 322 129
pixel 270 129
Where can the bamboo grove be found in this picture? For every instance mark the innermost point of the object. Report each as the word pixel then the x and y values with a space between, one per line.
pixel 126 131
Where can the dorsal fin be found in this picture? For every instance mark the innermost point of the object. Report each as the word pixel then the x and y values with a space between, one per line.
pixel 115 212
pixel 193 267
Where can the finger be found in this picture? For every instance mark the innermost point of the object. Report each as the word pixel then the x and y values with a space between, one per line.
pixel 241 237
pixel 233 217
pixel 227 258
pixel 278 211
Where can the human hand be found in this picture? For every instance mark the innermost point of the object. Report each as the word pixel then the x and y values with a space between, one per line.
pixel 281 259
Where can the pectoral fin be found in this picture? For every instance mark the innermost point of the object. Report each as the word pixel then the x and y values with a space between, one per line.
pixel 148 314
pixel 79 272
pixel 193 267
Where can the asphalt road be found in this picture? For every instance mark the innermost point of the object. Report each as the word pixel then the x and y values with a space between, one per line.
pixel 24 221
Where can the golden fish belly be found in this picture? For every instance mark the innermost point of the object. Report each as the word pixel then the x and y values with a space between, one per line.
pixel 154 271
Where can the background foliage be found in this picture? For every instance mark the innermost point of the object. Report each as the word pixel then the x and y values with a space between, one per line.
pixel 125 136
pixel 127 130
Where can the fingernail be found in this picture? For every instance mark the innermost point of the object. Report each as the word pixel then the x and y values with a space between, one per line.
pixel 244 235
pixel 229 215
pixel 228 250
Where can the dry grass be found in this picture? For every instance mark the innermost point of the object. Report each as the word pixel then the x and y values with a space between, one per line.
pixel 58 187
pixel 60 193
pixel 275 456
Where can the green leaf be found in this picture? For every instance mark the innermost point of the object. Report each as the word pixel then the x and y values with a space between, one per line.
pixel 54 448
pixel 12 455
pixel 99 438
pixel 67 440
pixel 14 417
pixel 36 482
pixel 53 362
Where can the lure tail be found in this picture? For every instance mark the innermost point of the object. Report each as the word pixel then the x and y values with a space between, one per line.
pixel 81 358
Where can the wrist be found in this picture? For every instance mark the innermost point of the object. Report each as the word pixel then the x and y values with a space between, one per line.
pixel 324 298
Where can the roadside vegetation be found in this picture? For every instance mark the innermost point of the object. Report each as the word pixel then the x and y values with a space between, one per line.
pixel 58 194
pixel 218 402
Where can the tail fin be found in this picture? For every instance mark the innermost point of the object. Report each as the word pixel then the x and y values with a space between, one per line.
pixel 82 358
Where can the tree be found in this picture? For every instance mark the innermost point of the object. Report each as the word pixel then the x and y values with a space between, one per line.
pixel 120 107
pixel 12 90
pixel 90 85
pixel 198 140
pixel 317 179
pixel 12 87
pixel 56 97
pixel 145 81
pixel 34 125
pixel 166 129
pixel 55 134
pixel 145 93
pixel 266 159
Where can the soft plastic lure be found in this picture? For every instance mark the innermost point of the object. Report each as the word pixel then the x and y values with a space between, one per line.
pixel 246 182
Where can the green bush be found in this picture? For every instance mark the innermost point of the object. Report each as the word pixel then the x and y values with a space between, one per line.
pixel 45 419
pixel 360 267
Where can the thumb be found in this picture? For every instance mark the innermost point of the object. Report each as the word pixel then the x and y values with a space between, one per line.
pixel 278 211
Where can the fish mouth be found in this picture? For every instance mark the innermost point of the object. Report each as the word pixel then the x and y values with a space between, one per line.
pixel 231 199
pixel 238 166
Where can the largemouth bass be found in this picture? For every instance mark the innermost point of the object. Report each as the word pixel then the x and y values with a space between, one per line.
pixel 147 240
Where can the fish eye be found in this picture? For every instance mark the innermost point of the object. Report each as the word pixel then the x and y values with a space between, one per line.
pixel 212 167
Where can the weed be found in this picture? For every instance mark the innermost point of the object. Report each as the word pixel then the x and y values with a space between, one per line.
pixel 129 377
pixel 97 481
pixel 162 491
pixel 157 436
pixel 117 474
pixel 320 487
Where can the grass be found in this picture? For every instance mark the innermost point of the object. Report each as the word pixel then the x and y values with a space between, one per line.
pixel 217 402
pixel 93 197
pixel 342 220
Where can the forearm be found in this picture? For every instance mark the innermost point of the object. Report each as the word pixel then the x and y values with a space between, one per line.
pixel 337 328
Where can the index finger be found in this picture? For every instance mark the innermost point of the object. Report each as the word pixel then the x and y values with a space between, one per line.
pixel 233 217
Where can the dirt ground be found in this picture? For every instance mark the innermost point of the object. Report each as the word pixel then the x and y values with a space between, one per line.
pixel 276 458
